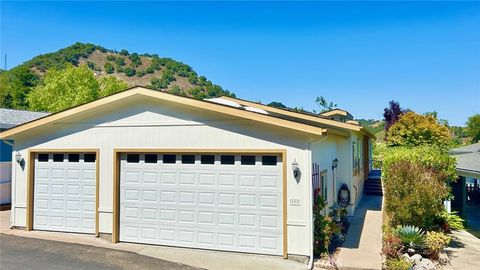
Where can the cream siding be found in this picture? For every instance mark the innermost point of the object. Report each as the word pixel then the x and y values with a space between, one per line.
pixel 162 125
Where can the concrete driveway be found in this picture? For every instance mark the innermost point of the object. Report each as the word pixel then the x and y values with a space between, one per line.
pixel 28 253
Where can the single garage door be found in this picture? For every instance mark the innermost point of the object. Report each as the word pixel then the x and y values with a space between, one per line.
pixel 64 192
pixel 209 201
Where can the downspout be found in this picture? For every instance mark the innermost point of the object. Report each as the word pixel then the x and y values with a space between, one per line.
pixel 12 187
pixel 310 261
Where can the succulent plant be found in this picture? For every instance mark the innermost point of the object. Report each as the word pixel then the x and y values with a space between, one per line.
pixel 411 236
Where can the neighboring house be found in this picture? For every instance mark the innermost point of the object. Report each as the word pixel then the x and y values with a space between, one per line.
pixel 8 119
pixel 467 188
pixel 147 166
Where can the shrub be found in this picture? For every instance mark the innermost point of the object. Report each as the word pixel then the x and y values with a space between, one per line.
pixel 111 57
pixel 398 264
pixel 452 221
pixel 135 58
pixel 109 68
pixel 124 52
pixel 120 61
pixel 414 182
pixel 411 236
pixel 324 226
pixel 414 129
pixel 141 73
pixel 150 70
pixel 436 242
pixel 129 71
pixel 392 246
pixel 176 90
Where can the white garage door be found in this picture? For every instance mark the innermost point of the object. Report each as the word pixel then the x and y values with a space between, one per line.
pixel 64 192
pixel 222 202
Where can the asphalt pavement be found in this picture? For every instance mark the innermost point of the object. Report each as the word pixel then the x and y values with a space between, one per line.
pixel 18 253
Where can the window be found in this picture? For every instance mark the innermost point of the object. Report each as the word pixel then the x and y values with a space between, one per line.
pixel 73 157
pixel 169 159
pixel 89 158
pixel 248 160
pixel 150 158
pixel 207 159
pixel 57 157
pixel 188 159
pixel 133 158
pixel 324 184
pixel 43 157
pixel 227 159
pixel 269 160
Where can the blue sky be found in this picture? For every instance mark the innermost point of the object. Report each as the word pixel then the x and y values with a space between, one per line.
pixel 360 55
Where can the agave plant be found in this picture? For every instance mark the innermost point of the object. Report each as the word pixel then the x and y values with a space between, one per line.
pixel 411 236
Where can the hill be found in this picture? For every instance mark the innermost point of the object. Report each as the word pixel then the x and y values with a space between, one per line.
pixel 148 70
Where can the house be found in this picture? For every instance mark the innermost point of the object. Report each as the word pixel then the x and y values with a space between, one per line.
pixel 466 189
pixel 8 119
pixel 151 167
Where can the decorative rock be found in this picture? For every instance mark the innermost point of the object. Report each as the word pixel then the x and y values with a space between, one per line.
pixel 416 258
pixel 406 257
pixel 323 264
pixel 424 264
pixel 443 259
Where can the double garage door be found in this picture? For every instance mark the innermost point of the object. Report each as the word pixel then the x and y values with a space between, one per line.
pixel 218 201
pixel 64 192
pixel 211 201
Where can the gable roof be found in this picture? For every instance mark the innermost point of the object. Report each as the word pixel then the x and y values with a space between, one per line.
pixel 10 118
pixel 306 117
pixel 468 159
pixel 200 104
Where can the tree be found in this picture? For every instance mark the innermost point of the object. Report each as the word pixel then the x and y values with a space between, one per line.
pixel 324 105
pixel 109 68
pixel 62 89
pixel 473 127
pixel 391 114
pixel 277 104
pixel 129 71
pixel 413 129
pixel 111 85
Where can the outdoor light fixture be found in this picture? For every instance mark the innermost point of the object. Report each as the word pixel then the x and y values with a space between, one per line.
pixel 295 169
pixel 18 158
pixel 335 163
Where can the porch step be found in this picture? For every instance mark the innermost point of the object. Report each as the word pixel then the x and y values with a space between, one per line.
pixel 373 185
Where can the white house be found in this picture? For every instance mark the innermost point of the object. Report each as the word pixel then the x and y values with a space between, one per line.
pixel 150 167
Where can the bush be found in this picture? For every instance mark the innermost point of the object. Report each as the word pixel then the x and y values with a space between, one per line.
pixel 176 90
pixel 436 242
pixel 324 226
pixel 120 61
pixel 129 71
pixel 411 236
pixel 414 129
pixel 135 58
pixel 398 264
pixel 124 52
pixel 109 68
pixel 415 185
pixel 150 70
pixel 451 221
pixel 392 246
pixel 141 73
pixel 111 57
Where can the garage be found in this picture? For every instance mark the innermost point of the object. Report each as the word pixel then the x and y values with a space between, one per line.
pixel 65 192
pixel 221 201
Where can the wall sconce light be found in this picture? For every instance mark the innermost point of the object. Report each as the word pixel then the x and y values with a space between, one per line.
pixel 295 169
pixel 18 158
pixel 335 163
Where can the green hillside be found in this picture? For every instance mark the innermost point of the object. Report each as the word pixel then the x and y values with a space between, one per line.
pixel 148 70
